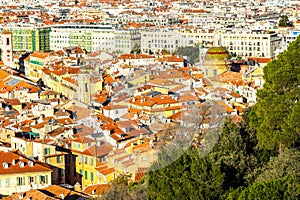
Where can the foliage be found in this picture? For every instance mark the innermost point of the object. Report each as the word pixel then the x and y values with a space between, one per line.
pixel 283 188
pixel 284 21
pixel 118 189
pixel 286 163
pixel 274 114
pixel 189 177
pixel 231 153
pixel 191 52
pixel 137 51
pixel 208 176
pixel 122 188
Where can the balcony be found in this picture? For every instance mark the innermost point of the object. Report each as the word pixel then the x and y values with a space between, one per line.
pixel 36 62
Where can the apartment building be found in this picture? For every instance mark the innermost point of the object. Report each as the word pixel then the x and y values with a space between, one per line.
pixel 289 37
pixel 29 38
pixel 256 43
pixel 156 40
pixel 89 37
pixel 127 40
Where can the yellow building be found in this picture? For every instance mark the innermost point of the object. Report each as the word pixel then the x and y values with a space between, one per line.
pixel 141 77
pixel 255 76
pixel 46 153
pixel 34 65
pixel 19 174
pixel 88 155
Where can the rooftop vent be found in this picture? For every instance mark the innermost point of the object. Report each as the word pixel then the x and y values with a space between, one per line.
pixel 5 165
pixel 22 164
pixel 30 163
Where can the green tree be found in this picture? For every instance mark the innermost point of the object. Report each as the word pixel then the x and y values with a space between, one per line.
pixel 277 105
pixel 119 188
pixel 189 177
pixel 192 52
pixel 286 163
pixel 284 21
pixel 284 188
pixel 235 153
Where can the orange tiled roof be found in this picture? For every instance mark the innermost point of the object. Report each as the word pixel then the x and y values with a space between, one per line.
pixel 260 60
pixel 97 151
pixel 96 189
pixel 229 77
pixel 39 55
pixel 14 164
pixel 3 75
pixel 107 171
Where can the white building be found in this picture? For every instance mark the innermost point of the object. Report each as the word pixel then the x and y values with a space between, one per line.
pixel 89 37
pixel 127 40
pixel 7 49
pixel 256 43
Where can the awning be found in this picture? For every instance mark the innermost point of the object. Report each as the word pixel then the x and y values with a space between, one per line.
pixel 33 134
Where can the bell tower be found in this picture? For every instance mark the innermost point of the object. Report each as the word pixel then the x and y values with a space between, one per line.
pixel 6 48
pixel 84 87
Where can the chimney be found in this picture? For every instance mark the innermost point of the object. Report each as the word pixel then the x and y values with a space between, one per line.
pixel 62 196
pixel 77 187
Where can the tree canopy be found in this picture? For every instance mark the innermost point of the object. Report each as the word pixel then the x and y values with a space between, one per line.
pixel 278 104
pixel 192 52
pixel 284 21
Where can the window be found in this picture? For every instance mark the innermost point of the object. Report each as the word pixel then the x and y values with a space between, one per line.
pixel 20 181
pixel 215 72
pixel 59 159
pixel 46 151
pixel 92 161
pixel 7 41
pixel 92 176
pixel 7 182
pixel 86 87
pixel 86 160
pixel 44 179
pixel 60 172
pixel 85 174
pixel 80 171
pixel 80 158
pixel 31 179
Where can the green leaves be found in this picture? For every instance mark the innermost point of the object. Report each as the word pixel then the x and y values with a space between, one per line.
pixel 191 52
pixel 286 163
pixel 271 116
pixel 283 188
pixel 187 178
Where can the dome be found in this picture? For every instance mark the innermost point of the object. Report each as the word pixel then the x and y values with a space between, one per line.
pixel 216 54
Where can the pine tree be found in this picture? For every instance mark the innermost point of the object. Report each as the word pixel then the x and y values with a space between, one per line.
pixel 276 108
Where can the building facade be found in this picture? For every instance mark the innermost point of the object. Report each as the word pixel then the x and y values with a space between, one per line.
pixel 18 173
pixel 89 37
pixel 241 43
pixel 29 38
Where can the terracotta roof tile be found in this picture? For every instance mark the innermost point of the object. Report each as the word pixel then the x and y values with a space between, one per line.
pixel 13 163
